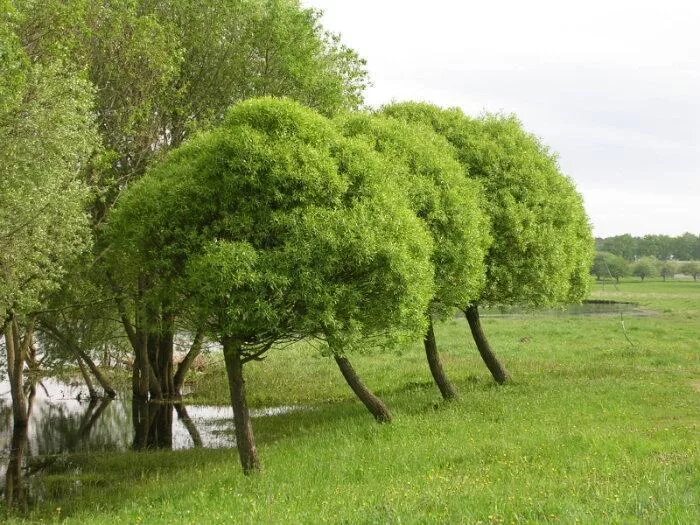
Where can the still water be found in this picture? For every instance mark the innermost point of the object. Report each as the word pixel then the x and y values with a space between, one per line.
pixel 63 420
pixel 589 307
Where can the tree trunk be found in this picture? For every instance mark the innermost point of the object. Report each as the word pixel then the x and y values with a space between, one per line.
pixel 101 379
pixel 183 416
pixel 16 348
pixel 245 440
pixel 15 493
pixel 431 351
pixel 497 370
pixel 375 405
pixel 86 378
pixel 186 363
pixel 154 384
pixel 166 341
pixel 143 379
pixel 160 433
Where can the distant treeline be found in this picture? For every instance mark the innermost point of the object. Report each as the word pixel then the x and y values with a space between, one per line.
pixel 682 248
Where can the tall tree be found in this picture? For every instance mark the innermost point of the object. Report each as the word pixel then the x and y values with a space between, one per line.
pixel 273 228
pixel 542 244
pixel 164 69
pixel 47 136
pixel 425 167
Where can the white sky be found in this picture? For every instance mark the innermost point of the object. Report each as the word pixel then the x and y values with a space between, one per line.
pixel 612 86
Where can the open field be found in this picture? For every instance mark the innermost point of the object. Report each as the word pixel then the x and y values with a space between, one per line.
pixel 592 429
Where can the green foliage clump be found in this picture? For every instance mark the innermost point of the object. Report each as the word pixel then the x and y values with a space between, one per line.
pixel 424 166
pixel 667 268
pixel 691 268
pixel 47 135
pixel 273 226
pixel 645 267
pixel 542 242
pixel 165 69
pixel 609 265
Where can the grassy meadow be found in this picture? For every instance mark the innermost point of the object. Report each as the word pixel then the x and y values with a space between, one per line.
pixel 594 428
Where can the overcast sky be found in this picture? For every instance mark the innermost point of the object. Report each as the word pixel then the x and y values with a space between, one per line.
pixel 612 86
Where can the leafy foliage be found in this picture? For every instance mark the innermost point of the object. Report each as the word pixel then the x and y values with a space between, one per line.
pixel 667 268
pixel 645 267
pixel 542 244
pixel 273 226
pixel 164 69
pixel 609 265
pixel 47 135
pixel 683 247
pixel 691 268
pixel 424 165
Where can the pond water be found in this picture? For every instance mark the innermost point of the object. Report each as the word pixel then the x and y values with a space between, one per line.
pixel 589 307
pixel 64 420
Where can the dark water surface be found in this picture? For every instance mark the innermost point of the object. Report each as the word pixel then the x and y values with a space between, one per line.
pixel 590 307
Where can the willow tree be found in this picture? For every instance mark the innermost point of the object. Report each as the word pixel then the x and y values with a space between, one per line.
pixel 47 135
pixel 542 244
pixel 447 201
pixel 162 70
pixel 272 227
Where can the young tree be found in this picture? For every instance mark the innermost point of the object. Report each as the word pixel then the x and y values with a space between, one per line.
pixel 690 268
pixel 271 228
pixel 615 267
pixel 447 201
pixel 47 135
pixel 667 269
pixel 645 267
pixel 542 244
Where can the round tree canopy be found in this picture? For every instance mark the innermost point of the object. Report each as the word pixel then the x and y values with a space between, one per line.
pixel 542 243
pixel 273 226
pixel 441 194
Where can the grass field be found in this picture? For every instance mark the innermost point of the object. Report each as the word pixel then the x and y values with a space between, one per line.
pixel 593 429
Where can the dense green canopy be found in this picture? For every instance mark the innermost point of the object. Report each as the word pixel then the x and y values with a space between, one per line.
pixel 166 68
pixel 542 244
pixel 274 226
pixel 426 168
pixel 47 135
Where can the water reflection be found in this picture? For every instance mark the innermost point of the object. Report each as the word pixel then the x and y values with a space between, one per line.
pixel 61 423
pixel 63 420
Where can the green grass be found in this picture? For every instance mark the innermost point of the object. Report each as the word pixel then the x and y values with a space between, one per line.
pixel 593 429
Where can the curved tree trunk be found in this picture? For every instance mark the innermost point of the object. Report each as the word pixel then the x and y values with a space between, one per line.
pixel 498 371
pixel 245 440
pixel 447 390
pixel 16 349
pixel 375 405
pixel 183 416
pixel 186 363
pixel 101 379
pixel 154 384
pixel 86 378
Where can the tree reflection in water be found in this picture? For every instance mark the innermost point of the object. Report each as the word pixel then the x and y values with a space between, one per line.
pixel 153 424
